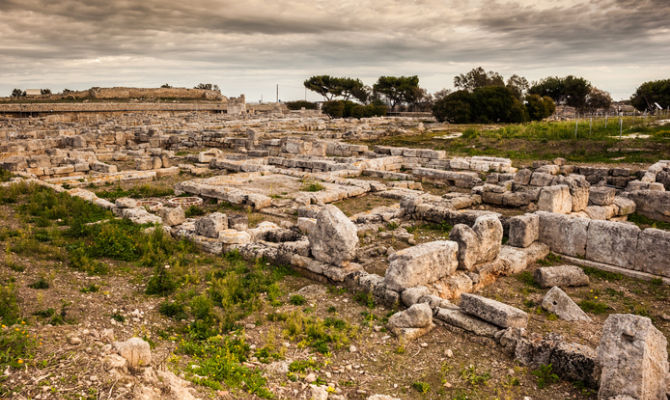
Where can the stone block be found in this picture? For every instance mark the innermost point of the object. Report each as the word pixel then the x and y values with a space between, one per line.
pixel 562 275
pixel 335 238
pixel 558 302
pixel 457 318
pixel 493 311
pixel 563 233
pixel 601 195
pixel 653 252
pixel 211 225
pixel 172 215
pixel 634 359
pixel 523 230
pixel 556 199
pixel 421 264
pixel 613 243
pixel 412 295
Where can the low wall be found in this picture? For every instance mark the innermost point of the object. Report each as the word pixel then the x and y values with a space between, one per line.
pixel 619 244
pixel 108 107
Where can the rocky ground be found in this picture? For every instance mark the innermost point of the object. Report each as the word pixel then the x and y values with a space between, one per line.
pixel 65 342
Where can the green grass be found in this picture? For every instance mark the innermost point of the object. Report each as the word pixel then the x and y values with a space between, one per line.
pixel 16 348
pixel 41 283
pixel 312 187
pixel 645 222
pixel 545 376
pixel 138 192
pixel 297 300
pixel 5 175
pixel 194 211
pixel 10 313
pixel 421 387
pixel 594 306
pixel 601 274
pixel 220 360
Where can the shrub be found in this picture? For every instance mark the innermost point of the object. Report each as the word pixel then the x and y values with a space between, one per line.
pixel 545 376
pixel 297 300
pixel 162 282
pixel 593 306
pixel 349 109
pixel 421 387
pixel 484 104
pixel 194 211
pixel 41 283
pixel 10 313
pixel 297 105
pixel 173 309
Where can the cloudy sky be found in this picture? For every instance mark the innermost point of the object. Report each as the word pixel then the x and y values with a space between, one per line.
pixel 248 46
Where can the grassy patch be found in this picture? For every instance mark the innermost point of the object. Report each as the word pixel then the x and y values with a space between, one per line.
pixel 138 192
pixel 220 360
pixel 297 300
pixel 194 211
pixel 646 222
pixel 545 376
pixel 421 387
pixel 601 274
pixel 594 306
pixel 312 187
pixel 10 313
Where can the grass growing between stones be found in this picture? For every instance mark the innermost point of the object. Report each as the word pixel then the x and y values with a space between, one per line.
pixel 546 140
pixel 645 222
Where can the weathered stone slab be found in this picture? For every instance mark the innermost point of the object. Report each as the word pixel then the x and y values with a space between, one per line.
pixel 653 252
pixel 493 311
pixel 634 359
pixel 562 275
pixel 601 195
pixel 612 243
pixel 523 230
pixel 556 199
pixel 334 238
pixel 559 303
pixel 564 234
pixel 422 264
pixel 466 322
pixel 210 225
pixel 412 295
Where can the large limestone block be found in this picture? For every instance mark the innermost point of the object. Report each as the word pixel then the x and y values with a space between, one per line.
pixel 421 264
pixel 558 302
pixel 490 232
pixel 419 315
pixel 334 239
pixel 493 311
pixel 653 252
pixel 564 234
pixel 172 215
pixel 211 225
pixel 556 199
pixel 601 195
pixel 232 236
pixel 562 275
pixel 468 246
pixel 613 243
pixel 652 203
pixel 634 359
pixel 479 244
pixel 523 230
pixel 456 317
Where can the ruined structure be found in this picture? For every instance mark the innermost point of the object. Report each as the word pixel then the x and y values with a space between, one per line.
pixel 294 168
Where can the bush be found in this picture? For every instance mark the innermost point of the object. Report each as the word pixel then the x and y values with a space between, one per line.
pixel 297 105
pixel 349 109
pixel 485 104
pixel 162 282
pixel 9 307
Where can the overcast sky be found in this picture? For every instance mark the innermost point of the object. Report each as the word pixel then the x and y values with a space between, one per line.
pixel 248 46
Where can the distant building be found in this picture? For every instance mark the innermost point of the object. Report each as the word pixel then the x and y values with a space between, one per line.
pixel 33 92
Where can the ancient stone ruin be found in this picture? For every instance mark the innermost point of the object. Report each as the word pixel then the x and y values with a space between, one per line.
pixel 291 169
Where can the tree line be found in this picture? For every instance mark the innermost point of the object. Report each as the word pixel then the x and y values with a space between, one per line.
pixel 480 96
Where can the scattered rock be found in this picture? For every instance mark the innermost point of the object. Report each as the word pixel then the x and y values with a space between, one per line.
pixel 334 239
pixel 558 302
pixel 136 351
pixel 633 357
pixel 493 311
pixel 562 276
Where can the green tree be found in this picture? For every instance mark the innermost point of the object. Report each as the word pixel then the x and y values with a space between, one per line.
pixel 45 91
pixel 517 84
pixel 598 99
pixel 454 108
pixel 570 90
pixel 397 89
pixel 478 78
pixel 652 92
pixel 166 86
pixel 539 108
pixel 325 85
pixel 18 93
pixel 208 86
pixel 484 104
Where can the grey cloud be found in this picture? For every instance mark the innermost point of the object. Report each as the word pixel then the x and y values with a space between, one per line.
pixel 43 39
